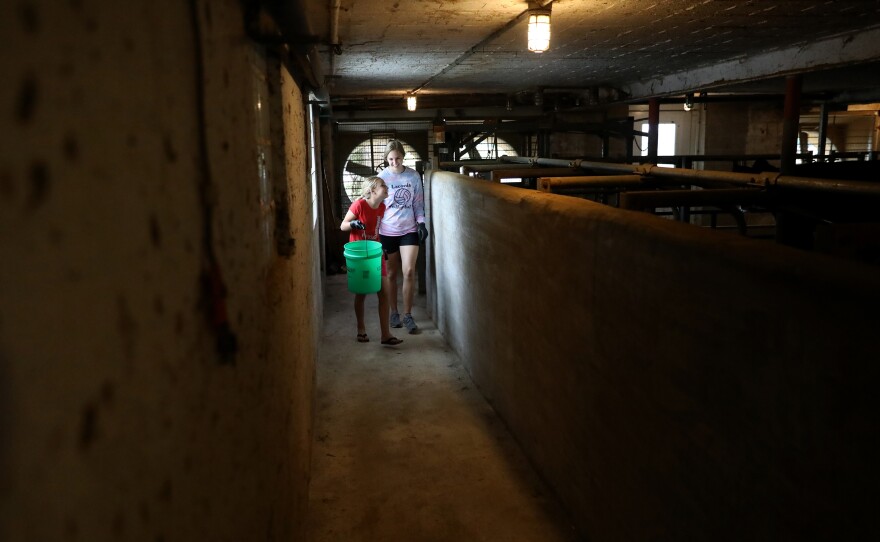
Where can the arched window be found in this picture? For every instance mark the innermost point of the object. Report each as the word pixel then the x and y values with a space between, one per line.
pixel 366 160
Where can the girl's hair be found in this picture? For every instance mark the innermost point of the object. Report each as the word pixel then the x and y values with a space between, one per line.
pixel 394 145
pixel 369 185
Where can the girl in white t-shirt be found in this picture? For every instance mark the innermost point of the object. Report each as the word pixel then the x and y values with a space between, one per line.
pixel 402 229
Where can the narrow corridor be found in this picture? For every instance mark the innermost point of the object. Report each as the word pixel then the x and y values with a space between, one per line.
pixel 407 449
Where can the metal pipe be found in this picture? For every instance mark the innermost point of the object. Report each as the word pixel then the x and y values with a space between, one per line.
pixel 670 198
pixel 529 173
pixel 864 188
pixel 335 7
pixel 725 157
pixel 557 162
pixel 490 167
pixel 743 179
pixel 469 163
pixel 770 180
pixel 766 179
pixel 553 184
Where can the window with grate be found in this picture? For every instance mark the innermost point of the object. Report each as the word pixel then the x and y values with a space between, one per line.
pixel 366 160
pixel 488 147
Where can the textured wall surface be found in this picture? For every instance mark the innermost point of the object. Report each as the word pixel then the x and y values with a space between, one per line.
pixel 765 121
pixel 140 190
pixel 671 383
pixel 726 132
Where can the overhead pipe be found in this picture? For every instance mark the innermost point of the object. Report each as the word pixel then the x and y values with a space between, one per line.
pixel 555 184
pixel 738 157
pixel 769 180
pixel 558 162
pixel 479 168
pixel 529 173
pixel 335 8
pixel 668 198
pixel 335 46
pixel 765 179
pixel 449 164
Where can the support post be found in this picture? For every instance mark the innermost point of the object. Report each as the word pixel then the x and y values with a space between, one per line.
pixel 653 128
pixel 823 130
pixel 791 123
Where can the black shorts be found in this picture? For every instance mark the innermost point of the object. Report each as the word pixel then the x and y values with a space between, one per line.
pixel 392 243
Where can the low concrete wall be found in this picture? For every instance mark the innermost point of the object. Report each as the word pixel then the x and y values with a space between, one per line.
pixel 670 383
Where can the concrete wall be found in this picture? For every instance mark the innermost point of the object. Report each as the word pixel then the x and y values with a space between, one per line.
pixel 764 132
pixel 670 383
pixel 727 130
pixel 737 128
pixel 139 198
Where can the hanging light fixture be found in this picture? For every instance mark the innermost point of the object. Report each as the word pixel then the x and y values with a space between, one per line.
pixel 539 28
pixel 688 101
pixel 410 102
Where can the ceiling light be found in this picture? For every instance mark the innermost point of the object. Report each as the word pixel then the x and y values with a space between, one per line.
pixel 688 101
pixel 411 102
pixel 539 29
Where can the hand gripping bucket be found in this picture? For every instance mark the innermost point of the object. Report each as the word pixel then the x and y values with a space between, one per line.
pixel 364 262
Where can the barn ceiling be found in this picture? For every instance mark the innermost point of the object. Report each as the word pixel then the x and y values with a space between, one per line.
pixel 625 49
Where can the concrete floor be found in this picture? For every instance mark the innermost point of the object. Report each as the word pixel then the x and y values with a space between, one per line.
pixel 407 449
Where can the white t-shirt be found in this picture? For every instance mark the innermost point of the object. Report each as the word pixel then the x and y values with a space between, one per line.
pixel 405 204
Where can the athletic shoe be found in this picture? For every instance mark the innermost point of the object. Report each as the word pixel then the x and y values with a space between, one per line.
pixel 410 323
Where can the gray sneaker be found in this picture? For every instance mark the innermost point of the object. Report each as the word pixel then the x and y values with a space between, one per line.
pixel 395 320
pixel 410 323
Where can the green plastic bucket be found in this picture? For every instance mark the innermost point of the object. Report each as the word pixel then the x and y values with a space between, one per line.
pixel 364 262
